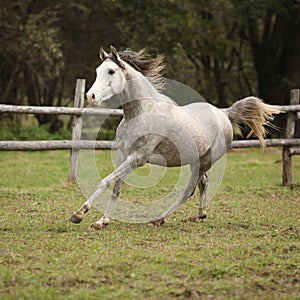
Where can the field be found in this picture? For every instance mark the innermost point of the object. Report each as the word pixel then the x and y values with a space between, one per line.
pixel 247 248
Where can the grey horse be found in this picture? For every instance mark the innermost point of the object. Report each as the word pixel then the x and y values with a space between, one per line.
pixel 156 130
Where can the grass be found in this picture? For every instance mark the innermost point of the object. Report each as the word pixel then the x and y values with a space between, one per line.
pixel 247 248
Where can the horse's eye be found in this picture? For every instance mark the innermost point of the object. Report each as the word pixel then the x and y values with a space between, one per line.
pixel 111 72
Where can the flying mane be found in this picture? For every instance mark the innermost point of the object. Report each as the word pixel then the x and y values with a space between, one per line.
pixel 150 68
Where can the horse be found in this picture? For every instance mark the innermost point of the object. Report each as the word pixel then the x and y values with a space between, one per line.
pixel 156 130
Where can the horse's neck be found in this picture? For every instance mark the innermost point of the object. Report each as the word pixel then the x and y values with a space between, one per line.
pixel 140 96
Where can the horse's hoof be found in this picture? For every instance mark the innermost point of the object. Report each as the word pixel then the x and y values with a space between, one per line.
pixel 98 226
pixel 76 220
pixel 157 222
pixel 197 218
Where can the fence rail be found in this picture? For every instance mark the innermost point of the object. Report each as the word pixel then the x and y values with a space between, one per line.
pixel 108 145
pixel 47 110
pixel 77 111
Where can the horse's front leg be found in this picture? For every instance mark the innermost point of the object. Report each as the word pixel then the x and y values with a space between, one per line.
pixel 125 168
pixel 103 222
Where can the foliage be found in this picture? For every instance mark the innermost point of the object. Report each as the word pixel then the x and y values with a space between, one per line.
pixel 225 49
pixel 31 54
pixel 270 28
pixel 247 248
pixel 12 131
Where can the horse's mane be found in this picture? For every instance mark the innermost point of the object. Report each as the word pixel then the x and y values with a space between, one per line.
pixel 150 68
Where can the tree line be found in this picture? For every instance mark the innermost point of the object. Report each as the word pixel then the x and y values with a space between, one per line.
pixel 224 49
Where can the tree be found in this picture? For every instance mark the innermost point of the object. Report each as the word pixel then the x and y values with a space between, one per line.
pixel 225 49
pixel 272 29
pixel 85 26
pixel 31 57
pixel 202 47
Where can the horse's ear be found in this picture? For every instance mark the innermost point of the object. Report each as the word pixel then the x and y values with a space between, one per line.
pixel 114 52
pixel 103 55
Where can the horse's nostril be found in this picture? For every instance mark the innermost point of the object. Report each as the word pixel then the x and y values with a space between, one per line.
pixel 93 96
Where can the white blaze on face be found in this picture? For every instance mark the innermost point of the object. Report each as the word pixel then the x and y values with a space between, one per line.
pixel 110 81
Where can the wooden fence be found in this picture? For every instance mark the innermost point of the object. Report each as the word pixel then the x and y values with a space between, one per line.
pixel 288 151
pixel 288 143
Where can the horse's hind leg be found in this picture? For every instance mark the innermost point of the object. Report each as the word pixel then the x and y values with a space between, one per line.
pixel 203 186
pixel 183 197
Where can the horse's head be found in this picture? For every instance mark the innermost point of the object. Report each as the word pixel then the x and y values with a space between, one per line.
pixel 110 77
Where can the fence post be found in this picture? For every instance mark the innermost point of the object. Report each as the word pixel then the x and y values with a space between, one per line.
pixel 289 134
pixel 76 131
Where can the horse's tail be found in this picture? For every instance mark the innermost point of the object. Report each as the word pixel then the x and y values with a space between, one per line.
pixel 254 113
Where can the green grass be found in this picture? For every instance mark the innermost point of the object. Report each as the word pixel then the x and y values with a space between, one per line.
pixel 247 248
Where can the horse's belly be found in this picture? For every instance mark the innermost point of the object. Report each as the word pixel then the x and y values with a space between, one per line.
pixel 167 154
pixel 176 153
